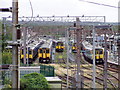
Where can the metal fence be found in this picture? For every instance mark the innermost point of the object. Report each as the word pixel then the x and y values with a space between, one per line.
pixel 47 71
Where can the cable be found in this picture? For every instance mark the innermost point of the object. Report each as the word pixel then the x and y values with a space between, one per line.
pixel 32 13
pixel 99 4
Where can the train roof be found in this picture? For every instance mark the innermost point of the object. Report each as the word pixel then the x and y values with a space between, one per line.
pixel 47 44
pixel 35 44
pixel 87 45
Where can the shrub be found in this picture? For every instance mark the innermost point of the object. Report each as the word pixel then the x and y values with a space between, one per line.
pixel 34 81
pixel 7 87
pixel 7 84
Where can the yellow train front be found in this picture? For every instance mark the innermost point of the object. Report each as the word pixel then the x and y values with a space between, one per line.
pixel 45 52
pixel 31 55
pixel 74 48
pixel 59 46
pixel 99 55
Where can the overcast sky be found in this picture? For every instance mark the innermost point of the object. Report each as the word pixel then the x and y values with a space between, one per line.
pixel 64 8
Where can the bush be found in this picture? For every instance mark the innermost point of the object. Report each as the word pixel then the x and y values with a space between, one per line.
pixel 7 87
pixel 7 84
pixel 34 81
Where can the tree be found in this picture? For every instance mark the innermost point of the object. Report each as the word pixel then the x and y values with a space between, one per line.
pixel 33 81
pixel 6 57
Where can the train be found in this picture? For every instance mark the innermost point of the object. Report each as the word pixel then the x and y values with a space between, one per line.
pixel 74 48
pixel 45 52
pixel 31 52
pixel 59 46
pixel 87 49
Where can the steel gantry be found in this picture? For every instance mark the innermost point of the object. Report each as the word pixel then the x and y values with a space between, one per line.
pixel 24 19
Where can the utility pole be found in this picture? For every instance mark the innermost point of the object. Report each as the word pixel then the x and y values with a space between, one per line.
pixel 78 58
pixel 67 57
pixel 105 28
pixel 4 26
pixel 118 44
pixel 105 61
pixel 27 49
pixel 94 69
pixel 15 62
pixel 24 43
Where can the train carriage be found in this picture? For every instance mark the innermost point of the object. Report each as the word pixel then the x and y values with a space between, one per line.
pixel 59 46
pixel 74 48
pixel 45 52
pixel 31 52
pixel 88 53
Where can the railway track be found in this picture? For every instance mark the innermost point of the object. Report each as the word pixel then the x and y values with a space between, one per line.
pixel 86 76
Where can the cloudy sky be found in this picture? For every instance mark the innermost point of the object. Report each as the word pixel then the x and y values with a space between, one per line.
pixel 64 8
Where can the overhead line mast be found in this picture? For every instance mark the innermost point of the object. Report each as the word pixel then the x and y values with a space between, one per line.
pixel 15 62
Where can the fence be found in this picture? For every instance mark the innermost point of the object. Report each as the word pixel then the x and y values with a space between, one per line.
pixel 47 71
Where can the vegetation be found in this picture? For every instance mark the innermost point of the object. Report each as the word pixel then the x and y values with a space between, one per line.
pixel 33 81
pixel 29 81
pixel 6 57
pixel 7 84
pixel 6 54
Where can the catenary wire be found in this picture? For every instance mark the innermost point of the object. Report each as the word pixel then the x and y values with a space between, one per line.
pixel 31 14
pixel 100 4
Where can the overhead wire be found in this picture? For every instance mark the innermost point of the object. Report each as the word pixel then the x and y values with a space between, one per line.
pixel 100 4
pixel 31 13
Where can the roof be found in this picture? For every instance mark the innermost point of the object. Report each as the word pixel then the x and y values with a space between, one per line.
pixel 47 44
pixel 87 45
pixel 53 79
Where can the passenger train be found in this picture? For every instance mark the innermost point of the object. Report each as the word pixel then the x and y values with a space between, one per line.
pixel 59 46
pixel 45 52
pixel 74 48
pixel 88 53
pixel 31 52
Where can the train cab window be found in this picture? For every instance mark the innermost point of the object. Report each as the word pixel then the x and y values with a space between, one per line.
pixel 96 51
pixel 40 50
pixel 58 43
pixel 30 52
pixel 61 44
pixel 47 51
pixel 101 52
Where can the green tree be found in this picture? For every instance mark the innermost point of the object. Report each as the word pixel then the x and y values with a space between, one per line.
pixel 33 81
pixel 6 57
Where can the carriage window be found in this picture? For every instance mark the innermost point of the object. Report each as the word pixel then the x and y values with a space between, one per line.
pixel 22 51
